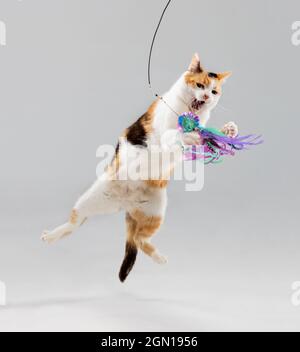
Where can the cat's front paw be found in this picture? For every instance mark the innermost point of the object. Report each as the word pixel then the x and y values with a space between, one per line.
pixel 191 138
pixel 230 129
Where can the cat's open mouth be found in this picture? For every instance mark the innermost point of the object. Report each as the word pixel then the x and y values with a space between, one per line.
pixel 197 104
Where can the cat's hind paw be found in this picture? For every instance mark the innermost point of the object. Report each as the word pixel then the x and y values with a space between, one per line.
pixel 159 258
pixel 50 237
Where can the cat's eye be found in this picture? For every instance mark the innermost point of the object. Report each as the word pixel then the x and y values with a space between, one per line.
pixel 212 75
pixel 214 92
pixel 200 85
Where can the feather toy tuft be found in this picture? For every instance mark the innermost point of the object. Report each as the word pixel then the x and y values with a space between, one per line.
pixel 215 144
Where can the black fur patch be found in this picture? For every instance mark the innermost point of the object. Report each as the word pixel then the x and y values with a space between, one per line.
pixel 212 75
pixel 117 148
pixel 129 260
pixel 116 152
pixel 136 133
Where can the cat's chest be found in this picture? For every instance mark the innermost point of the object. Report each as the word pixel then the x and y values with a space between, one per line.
pixel 163 121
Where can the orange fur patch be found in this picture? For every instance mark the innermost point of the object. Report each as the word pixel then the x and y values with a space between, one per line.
pixel 73 217
pixel 157 183
pixel 203 78
pixel 147 121
pixel 140 227
pixel 218 86
pixel 146 225
pixel 131 225
pixel 193 78
pixel 115 164
pixel 147 248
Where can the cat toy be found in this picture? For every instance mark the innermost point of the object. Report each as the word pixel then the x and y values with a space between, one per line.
pixel 214 144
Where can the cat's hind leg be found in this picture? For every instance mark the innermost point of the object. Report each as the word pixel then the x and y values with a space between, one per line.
pixel 97 200
pixel 140 229
pixel 75 220
pixel 142 223
pixel 147 227
pixel 149 218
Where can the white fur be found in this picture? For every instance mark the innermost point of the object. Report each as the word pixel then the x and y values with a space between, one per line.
pixel 159 258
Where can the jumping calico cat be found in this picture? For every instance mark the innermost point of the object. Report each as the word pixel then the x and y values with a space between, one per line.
pixel 145 201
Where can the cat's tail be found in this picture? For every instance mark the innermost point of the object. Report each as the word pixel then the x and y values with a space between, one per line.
pixel 131 251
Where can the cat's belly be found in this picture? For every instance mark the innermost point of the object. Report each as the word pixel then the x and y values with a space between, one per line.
pixel 132 194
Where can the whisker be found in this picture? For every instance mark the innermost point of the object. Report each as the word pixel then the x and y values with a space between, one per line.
pixel 224 108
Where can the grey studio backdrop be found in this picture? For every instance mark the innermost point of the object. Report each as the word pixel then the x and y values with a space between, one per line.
pixel 73 76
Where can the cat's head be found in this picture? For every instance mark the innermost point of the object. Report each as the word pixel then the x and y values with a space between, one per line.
pixel 204 87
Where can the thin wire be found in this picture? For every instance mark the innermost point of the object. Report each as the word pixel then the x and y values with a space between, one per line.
pixel 150 56
pixel 153 40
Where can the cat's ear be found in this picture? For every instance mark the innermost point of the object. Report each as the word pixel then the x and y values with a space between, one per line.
pixel 195 65
pixel 224 76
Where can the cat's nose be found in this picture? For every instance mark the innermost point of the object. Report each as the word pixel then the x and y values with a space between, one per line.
pixel 205 97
